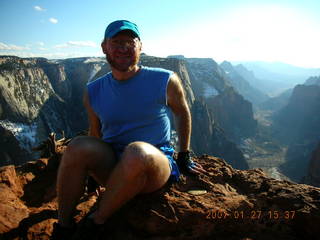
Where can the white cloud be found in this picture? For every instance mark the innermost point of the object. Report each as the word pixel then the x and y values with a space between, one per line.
pixel 12 47
pixel 55 55
pixel 38 8
pixel 53 20
pixel 40 43
pixel 77 44
pixel 82 43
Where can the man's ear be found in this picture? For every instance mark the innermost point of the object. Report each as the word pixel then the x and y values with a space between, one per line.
pixel 140 46
pixel 104 46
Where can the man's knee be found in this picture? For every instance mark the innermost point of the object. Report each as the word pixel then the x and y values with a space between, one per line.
pixel 78 146
pixel 153 164
pixel 140 151
pixel 86 148
pixel 142 156
pixel 78 143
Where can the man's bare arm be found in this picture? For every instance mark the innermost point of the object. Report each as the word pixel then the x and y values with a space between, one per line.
pixel 177 102
pixel 94 122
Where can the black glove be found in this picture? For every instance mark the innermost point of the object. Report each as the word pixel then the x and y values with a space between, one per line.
pixel 185 162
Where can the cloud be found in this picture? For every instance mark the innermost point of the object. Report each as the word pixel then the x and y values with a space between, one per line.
pixel 77 44
pixel 53 20
pixel 40 43
pixel 38 8
pixel 55 55
pixel 12 47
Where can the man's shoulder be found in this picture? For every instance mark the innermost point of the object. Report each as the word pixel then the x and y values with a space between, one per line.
pixel 98 80
pixel 156 70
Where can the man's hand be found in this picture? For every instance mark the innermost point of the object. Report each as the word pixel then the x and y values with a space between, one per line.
pixel 186 165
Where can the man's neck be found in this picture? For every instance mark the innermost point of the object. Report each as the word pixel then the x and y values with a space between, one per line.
pixel 121 76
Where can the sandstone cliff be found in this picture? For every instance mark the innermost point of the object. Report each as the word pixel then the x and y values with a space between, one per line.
pixel 242 85
pixel 300 118
pixel 252 79
pixel 209 138
pixel 39 96
pixel 24 89
pixel 224 203
pixel 234 114
pixel 275 104
pixel 298 125
pixel 313 81
pixel 313 175
pixel 10 150
pixel 207 77
pixel 231 112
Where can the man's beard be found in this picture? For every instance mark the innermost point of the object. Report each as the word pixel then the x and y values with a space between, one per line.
pixel 122 67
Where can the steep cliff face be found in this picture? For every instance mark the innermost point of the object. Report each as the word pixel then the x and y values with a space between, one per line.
pixel 207 77
pixel 313 175
pixel 278 102
pixel 313 81
pixel 241 84
pixel 298 125
pixel 78 72
pixel 300 119
pixel 56 74
pixel 11 151
pixel 234 114
pixel 39 96
pixel 24 88
pixel 209 138
pixel 231 112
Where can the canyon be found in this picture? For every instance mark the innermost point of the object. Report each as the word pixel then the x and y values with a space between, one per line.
pixel 231 119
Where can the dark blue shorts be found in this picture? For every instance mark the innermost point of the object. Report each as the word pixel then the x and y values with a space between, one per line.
pixel 167 150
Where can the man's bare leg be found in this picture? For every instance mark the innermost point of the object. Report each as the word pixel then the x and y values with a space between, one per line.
pixel 83 155
pixel 142 168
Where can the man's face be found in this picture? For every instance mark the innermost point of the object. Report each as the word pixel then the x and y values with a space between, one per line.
pixel 122 51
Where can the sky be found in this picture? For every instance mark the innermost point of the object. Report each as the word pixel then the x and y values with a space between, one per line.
pixel 234 30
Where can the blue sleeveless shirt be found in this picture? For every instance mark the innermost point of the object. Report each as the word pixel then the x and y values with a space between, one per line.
pixel 132 110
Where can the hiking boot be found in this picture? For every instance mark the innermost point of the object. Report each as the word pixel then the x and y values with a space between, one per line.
pixel 62 233
pixel 88 230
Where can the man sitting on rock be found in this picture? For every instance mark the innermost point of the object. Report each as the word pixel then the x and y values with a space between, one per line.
pixel 127 150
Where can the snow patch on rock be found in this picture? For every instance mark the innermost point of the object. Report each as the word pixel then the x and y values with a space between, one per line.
pixel 25 134
pixel 209 91
pixel 95 60
pixel 95 69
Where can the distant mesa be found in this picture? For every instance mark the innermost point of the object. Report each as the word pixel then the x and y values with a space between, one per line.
pixel 176 56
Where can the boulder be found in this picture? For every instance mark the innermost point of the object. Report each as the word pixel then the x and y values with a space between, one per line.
pixel 224 203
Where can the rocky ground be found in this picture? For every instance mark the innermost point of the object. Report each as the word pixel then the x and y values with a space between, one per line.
pixel 224 203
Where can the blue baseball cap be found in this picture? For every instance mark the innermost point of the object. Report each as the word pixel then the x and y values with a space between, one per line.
pixel 120 25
